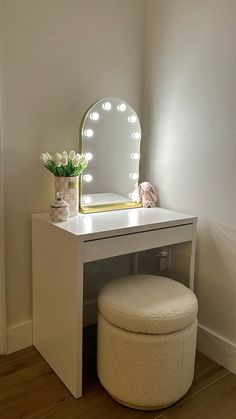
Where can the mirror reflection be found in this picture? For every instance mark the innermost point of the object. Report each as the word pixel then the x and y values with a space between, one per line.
pixel 110 140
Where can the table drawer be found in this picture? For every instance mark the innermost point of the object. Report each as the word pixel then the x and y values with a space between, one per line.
pixel 136 242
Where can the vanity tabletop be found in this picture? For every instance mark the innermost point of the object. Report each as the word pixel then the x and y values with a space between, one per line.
pixel 115 223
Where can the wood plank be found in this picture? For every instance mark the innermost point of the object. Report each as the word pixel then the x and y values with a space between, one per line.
pixel 15 355
pixel 30 391
pixel 217 401
pixel 95 403
pixel 19 360
pixel 206 371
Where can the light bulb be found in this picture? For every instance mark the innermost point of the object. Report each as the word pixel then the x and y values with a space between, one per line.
pixel 94 116
pixel 87 199
pixel 133 176
pixel 88 156
pixel 121 107
pixel 88 132
pixel 132 119
pixel 136 135
pixel 88 178
pixel 106 106
pixel 135 156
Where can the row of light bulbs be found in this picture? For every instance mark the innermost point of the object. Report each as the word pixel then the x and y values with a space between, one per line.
pixel 134 156
pixel 95 116
pixel 88 178
pixel 121 108
pixel 89 133
pixel 87 199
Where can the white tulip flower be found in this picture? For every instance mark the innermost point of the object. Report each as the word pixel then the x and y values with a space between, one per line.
pixel 75 161
pixel 83 161
pixel 64 154
pixel 72 155
pixel 64 160
pixel 58 156
pixel 58 162
pixel 44 158
pixel 48 156
pixel 71 163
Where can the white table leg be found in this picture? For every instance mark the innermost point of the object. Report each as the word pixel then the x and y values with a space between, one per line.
pixel 58 304
pixel 135 263
pixel 193 257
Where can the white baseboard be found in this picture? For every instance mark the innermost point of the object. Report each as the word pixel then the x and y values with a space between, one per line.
pixel 19 336
pixel 218 348
pixel 209 343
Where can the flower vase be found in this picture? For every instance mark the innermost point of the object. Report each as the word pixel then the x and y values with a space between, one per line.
pixel 69 186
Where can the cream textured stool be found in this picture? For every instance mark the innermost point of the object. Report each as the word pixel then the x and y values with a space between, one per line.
pixel 147 328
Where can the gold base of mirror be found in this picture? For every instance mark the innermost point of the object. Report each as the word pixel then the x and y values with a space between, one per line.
pixel 109 207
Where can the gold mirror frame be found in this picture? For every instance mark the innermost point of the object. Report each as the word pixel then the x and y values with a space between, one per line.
pixel 86 124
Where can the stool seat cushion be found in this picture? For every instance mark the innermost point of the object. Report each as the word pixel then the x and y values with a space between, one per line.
pixel 148 304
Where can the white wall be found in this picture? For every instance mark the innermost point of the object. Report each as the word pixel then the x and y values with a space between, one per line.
pixel 59 57
pixel 190 144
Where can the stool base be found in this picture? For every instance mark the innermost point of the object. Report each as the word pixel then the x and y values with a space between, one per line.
pixel 133 406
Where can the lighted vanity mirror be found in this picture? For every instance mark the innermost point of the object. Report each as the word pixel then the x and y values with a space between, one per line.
pixel 110 140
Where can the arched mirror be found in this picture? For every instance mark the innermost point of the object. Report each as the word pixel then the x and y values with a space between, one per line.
pixel 110 140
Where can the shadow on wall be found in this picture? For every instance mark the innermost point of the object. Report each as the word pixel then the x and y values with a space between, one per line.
pixel 216 277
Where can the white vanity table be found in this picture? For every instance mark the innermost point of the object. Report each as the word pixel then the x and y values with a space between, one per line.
pixel 60 251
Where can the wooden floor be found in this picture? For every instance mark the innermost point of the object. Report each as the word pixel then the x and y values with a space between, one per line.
pixel 29 389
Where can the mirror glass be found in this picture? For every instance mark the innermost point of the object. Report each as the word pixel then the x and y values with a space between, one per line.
pixel 110 140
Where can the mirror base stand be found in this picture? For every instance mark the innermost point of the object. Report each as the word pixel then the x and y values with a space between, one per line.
pixel 109 207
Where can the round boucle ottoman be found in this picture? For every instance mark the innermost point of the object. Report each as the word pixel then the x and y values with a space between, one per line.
pixel 147 328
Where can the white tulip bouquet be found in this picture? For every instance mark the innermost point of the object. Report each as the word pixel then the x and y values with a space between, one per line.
pixel 64 164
